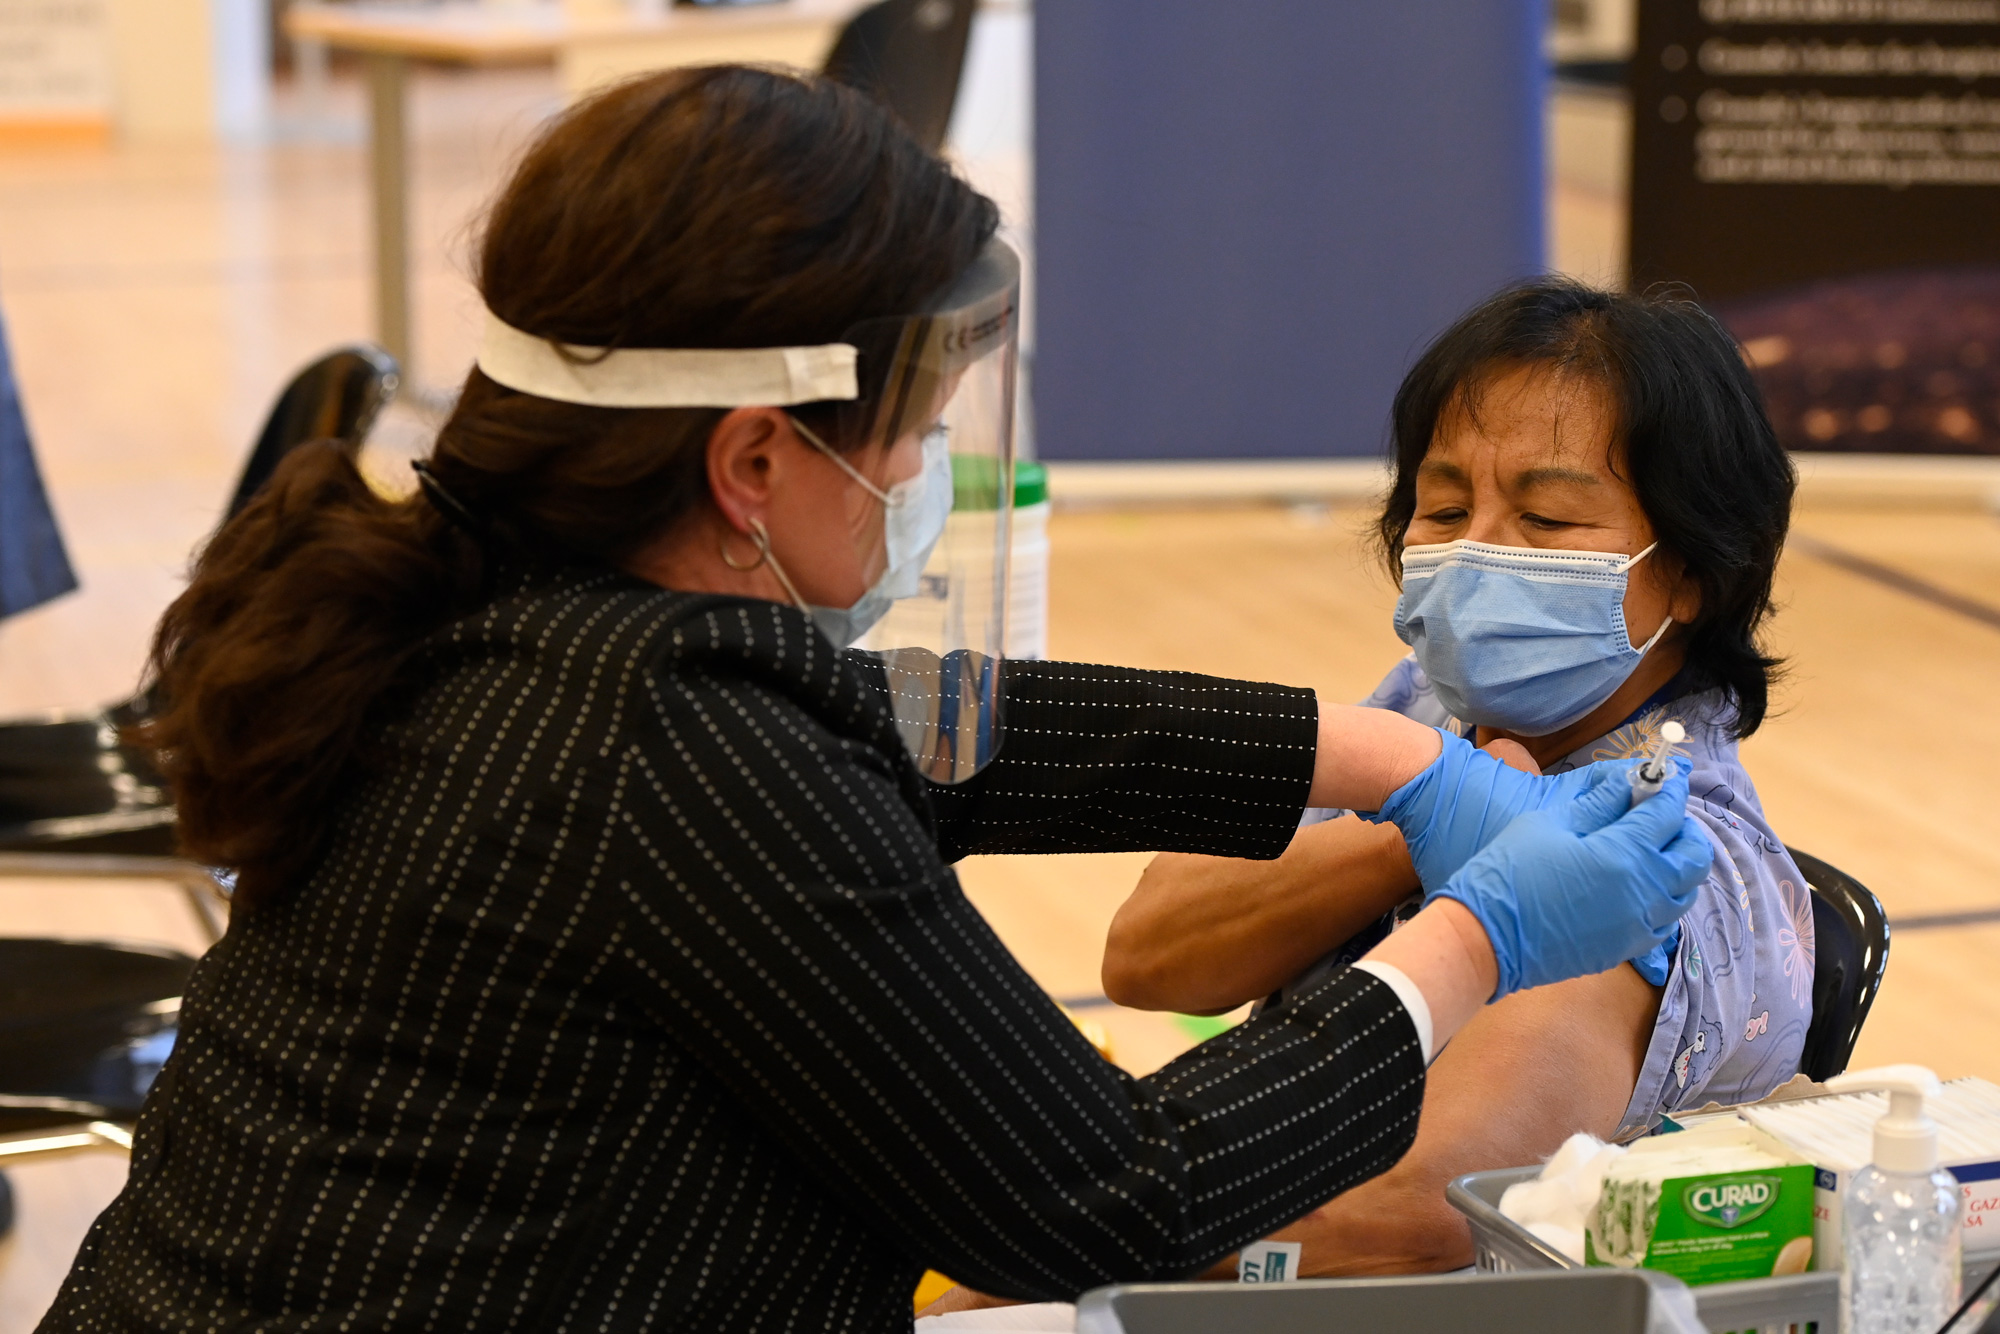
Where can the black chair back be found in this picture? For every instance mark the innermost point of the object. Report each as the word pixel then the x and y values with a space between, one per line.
pixel 335 398
pixel 70 784
pixel 78 1022
pixel 60 768
pixel 909 55
pixel 1852 953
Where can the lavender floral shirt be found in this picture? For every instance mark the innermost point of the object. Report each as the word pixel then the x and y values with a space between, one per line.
pixel 1738 997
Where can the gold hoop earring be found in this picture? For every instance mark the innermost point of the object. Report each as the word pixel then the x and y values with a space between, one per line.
pixel 757 535
pixel 765 556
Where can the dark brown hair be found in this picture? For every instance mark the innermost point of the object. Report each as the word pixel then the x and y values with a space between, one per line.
pixel 1695 441
pixel 718 207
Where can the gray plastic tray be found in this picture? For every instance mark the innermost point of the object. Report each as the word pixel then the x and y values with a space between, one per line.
pixel 1500 1245
pixel 1600 1301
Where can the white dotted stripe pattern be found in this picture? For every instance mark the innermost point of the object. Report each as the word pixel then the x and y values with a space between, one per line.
pixel 634 992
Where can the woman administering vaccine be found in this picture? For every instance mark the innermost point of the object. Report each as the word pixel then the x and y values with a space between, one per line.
pixel 596 960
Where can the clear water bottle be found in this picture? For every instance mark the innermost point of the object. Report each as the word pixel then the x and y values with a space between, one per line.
pixel 1899 1216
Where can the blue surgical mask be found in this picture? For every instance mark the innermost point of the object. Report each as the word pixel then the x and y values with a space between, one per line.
pixel 913 519
pixel 1519 638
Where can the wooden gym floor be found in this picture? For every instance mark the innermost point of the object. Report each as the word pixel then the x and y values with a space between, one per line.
pixel 157 298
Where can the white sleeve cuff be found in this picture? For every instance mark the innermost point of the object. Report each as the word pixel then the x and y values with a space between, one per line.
pixel 1406 991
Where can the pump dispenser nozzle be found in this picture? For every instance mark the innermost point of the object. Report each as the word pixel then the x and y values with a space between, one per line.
pixel 1906 1140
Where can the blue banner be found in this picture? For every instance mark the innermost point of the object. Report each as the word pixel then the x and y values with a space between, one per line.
pixel 34 567
pixel 1250 217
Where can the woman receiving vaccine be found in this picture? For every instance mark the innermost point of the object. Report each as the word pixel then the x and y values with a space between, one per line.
pixel 1587 515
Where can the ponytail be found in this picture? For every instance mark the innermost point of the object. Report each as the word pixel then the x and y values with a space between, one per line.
pixel 277 660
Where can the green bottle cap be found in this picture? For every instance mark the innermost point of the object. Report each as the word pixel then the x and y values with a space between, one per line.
pixel 975 482
pixel 1031 483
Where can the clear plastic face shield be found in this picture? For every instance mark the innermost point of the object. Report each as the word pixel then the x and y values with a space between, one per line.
pixel 943 413
pixel 918 411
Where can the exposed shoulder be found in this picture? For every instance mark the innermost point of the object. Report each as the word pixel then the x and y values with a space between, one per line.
pixel 1738 1003
pixel 1719 788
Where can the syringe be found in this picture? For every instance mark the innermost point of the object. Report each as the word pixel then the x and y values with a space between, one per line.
pixel 1649 776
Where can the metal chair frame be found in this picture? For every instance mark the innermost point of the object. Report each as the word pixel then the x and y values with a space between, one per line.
pixel 206 897
pixel 89 1137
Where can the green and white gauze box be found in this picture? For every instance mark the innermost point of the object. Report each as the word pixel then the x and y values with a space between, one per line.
pixel 1722 1202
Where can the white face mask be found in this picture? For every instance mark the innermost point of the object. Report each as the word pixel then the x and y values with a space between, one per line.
pixel 913 518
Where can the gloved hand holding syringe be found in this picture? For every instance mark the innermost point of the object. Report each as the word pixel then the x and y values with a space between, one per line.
pixel 1539 861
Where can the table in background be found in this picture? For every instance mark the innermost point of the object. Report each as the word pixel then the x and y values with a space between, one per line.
pixel 604 42
pixel 590 44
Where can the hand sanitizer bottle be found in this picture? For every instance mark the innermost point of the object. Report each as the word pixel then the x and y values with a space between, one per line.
pixel 1899 1216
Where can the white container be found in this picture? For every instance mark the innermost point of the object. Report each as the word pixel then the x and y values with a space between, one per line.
pixel 1837 1135
pixel 1028 577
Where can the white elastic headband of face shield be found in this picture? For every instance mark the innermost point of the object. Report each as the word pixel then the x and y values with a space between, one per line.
pixel 778 377
pixel 647 377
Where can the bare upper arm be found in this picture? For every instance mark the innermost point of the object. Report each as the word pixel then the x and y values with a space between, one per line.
pixel 1519 1079
pixel 1564 1057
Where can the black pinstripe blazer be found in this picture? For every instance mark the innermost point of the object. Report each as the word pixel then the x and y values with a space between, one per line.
pixel 635 992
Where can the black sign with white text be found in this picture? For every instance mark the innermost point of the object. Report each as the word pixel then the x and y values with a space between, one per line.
pixel 1780 140
pixel 1826 174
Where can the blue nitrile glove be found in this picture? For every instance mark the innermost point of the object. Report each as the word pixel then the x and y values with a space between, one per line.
pixel 1465 798
pixel 1656 963
pixel 1578 888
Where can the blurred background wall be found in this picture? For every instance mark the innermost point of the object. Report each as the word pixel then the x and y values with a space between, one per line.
pixel 1252 215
